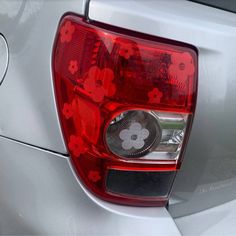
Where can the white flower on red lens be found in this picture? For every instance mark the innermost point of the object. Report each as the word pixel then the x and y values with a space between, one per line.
pixel 134 136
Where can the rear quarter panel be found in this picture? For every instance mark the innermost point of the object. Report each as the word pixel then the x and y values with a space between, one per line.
pixel 207 176
pixel 39 194
pixel 28 110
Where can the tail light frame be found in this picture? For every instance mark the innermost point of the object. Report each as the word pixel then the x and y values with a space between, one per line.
pixel 131 165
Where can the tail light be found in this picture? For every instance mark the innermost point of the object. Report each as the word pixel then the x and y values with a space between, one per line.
pixel 125 101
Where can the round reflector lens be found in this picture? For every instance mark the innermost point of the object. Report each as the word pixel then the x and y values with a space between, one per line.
pixel 133 134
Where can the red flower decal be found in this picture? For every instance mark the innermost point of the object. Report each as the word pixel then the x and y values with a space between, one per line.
pixel 99 83
pixel 182 66
pixel 155 96
pixel 67 110
pixel 73 66
pixel 76 145
pixel 66 32
pixel 126 51
pixel 94 176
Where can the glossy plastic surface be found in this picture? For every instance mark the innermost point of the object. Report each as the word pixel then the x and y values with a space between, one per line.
pixel 100 72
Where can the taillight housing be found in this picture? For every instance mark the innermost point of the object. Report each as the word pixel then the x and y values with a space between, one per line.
pixel 125 101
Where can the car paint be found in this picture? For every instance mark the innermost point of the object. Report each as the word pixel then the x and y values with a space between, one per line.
pixel 216 221
pixel 207 176
pixel 28 112
pixel 39 194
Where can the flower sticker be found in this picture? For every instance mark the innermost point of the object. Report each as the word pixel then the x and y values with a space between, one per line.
pixel 76 145
pixel 99 83
pixel 66 32
pixel 94 176
pixel 155 96
pixel 73 66
pixel 134 136
pixel 126 51
pixel 67 110
pixel 182 66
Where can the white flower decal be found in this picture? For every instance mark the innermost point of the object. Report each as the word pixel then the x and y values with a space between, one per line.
pixel 134 136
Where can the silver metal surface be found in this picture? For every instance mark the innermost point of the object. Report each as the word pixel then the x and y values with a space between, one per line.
pixel 27 107
pixel 216 221
pixel 38 192
pixel 40 196
pixel 208 174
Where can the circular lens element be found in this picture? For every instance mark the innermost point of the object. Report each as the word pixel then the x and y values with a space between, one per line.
pixel 133 134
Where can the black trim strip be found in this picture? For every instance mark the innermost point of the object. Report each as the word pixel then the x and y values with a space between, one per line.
pixel 219 7
pixel 34 146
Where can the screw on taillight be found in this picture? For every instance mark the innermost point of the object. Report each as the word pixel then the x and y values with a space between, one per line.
pixel 125 101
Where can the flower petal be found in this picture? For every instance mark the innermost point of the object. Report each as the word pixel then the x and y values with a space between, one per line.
pixel 135 127
pixel 155 96
pixel 143 134
pixel 94 73
pixel 66 32
pixel 186 57
pixel 107 76
pixel 190 69
pixel 73 66
pixel 138 143
pixel 125 134
pixel 67 110
pixel 98 94
pixel 89 85
pixel 176 58
pixel 127 144
pixel 76 145
pixel 94 176
pixel 110 91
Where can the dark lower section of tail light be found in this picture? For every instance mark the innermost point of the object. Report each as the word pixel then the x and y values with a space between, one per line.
pixel 142 184
pixel 126 101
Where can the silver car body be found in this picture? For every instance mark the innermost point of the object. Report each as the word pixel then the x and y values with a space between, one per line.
pixel 39 193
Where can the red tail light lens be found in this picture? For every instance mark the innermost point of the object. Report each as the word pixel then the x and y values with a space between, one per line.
pixel 125 102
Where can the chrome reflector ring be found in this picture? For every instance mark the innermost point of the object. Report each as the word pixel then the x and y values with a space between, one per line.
pixel 133 134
